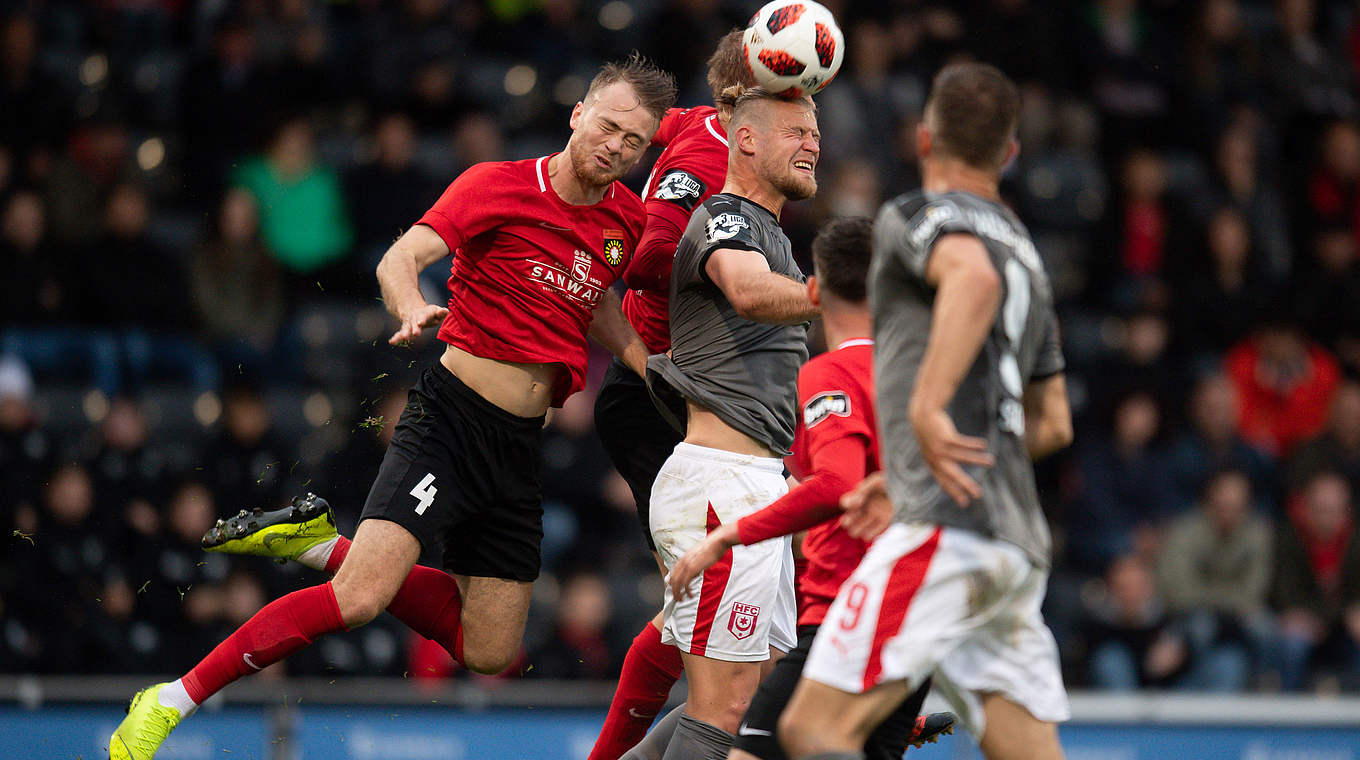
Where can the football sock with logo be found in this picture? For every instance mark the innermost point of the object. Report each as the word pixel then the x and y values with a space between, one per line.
pixel 697 740
pixel 428 601
pixel 653 745
pixel 281 628
pixel 650 669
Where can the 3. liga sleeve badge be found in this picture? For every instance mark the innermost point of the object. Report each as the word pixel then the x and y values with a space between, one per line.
pixel 742 623
pixel 725 227
pixel 613 247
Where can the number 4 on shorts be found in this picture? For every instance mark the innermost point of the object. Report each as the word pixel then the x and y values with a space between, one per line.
pixel 424 491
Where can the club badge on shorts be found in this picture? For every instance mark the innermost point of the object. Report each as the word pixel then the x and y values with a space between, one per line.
pixel 613 247
pixel 743 621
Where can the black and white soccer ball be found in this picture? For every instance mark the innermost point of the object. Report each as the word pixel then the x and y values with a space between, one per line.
pixel 794 47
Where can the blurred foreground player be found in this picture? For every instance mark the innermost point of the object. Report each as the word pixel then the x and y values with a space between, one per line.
pixel 835 446
pixel 538 244
pixel 970 390
pixel 690 169
pixel 739 315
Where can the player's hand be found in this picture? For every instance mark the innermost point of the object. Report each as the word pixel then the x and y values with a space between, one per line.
pixel 868 510
pixel 428 315
pixel 946 450
pixel 714 546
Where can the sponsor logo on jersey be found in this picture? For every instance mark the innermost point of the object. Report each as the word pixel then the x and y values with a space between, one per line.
pixel 613 247
pixel 681 188
pixel 576 285
pixel 824 405
pixel 742 623
pixel 580 266
pixel 726 226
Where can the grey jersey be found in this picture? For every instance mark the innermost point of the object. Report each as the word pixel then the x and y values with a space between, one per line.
pixel 1022 346
pixel 745 372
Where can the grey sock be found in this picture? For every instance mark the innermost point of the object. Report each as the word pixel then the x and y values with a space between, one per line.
pixel 653 745
pixel 697 740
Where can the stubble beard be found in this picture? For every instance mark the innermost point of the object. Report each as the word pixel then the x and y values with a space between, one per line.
pixel 583 163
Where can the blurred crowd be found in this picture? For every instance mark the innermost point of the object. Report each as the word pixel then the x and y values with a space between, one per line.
pixel 193 197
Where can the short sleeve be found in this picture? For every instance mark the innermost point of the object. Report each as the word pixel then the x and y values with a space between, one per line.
pixel 918 234
pixel 1049 360
pixel 469 206
pixel 680 188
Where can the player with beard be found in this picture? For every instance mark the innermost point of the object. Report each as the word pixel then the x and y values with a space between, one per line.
pixel 834 447
pixel 969 373
pixel 538 243
pixel 738 319
pixel 691 168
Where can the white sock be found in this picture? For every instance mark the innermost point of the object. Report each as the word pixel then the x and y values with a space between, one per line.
pixel 317 556
pixel 175 695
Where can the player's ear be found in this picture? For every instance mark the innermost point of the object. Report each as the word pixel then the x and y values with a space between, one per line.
pixel 576 112
pixel 814 291
pixel 924 142
pixel 1012 152
pixel 746 139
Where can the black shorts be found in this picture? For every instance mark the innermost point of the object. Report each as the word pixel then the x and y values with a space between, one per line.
pixel 634 434
pixel 756 734
pixel 463 474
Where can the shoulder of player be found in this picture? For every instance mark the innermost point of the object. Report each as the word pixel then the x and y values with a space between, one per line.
pixel 834 370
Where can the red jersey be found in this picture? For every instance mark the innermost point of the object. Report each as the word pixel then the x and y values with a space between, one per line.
pixel 692 167
pixel 529 268
pixel 835 445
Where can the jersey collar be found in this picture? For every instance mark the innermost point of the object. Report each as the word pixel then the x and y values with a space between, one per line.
pixel 855 342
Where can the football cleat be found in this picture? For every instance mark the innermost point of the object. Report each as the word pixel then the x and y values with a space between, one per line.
pixel 283 534
pixel 929 728
pixel 146 726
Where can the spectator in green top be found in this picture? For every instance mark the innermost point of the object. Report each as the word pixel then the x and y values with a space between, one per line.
pixel 302 208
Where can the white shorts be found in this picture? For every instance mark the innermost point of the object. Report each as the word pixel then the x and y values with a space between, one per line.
pixel 936 600
pixel 744 604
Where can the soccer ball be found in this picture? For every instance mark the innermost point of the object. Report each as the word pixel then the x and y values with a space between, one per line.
pixel 794 47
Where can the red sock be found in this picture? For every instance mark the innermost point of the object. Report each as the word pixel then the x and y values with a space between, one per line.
pixel 428 602
pixel 281 628
pixel 649 671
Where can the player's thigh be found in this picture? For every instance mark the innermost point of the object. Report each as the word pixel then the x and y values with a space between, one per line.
pixel 720 691
pixel 1013 733
pixel 379 559
pixel 822 718
pixel 494 613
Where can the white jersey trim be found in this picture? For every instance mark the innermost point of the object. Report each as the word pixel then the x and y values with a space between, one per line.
pixel 856 342
pixel 709 123
pixel 538 169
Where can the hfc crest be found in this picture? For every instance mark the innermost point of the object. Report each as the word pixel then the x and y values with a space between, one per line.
pixel 743 621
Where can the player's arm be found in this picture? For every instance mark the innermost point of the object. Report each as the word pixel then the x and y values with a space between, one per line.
pixel 837 466
pixel 651 266
pixel 610 329
pixel 967 296
pixel 398 274
pixel 756 292
pixel 1048 417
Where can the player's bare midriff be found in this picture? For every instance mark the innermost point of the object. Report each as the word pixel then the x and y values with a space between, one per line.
pixel 524 390
pixel 704 428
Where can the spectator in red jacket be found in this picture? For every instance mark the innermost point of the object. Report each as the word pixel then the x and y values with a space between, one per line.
pixel 1284 384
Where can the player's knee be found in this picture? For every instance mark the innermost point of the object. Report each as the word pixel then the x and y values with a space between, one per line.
pixel 488 661
pixel 358 607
